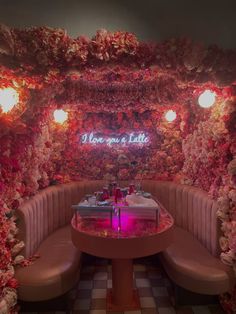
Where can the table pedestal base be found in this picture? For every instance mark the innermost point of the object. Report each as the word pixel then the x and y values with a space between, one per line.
pixel 122 296
pixel 132 306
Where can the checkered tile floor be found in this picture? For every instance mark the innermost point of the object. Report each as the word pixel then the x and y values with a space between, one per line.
pixel 154 289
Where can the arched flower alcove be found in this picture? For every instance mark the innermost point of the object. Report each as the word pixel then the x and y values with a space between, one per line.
pixel 112 85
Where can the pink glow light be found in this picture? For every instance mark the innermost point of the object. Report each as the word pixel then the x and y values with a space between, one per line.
pixel 131 226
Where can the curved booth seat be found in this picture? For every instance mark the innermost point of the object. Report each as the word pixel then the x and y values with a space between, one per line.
pixel 44 226
pixel 54 273
pixel 192 267
pixel 192 260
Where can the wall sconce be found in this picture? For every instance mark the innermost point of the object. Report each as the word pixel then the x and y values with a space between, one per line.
pixel 207 99
pixel 60 116
pixel 9 97
pixel 170 115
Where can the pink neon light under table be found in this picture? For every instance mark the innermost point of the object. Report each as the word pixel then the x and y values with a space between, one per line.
pixel 136 238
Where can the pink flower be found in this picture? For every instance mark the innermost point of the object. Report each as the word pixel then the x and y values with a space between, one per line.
pixel 124 174
pixel 15 204
pixel 232 167
pixel 232 243
pixel 224 243
pixel 228 258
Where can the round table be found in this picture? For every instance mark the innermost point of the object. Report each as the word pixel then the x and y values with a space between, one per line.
pixel 121 250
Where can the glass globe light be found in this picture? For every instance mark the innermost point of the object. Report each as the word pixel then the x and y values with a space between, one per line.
pixel 9 97
pixel 60 116
pixel 207 99
pixel 170 115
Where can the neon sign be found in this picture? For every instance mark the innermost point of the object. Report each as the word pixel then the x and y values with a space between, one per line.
pixel 131 138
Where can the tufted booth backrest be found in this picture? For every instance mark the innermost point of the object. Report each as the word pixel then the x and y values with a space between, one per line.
pixel 50 209
pixel 192 210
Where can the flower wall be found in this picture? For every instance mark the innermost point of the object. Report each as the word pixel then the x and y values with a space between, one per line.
pixel 210 163
pixel 112 84
pixel 154 160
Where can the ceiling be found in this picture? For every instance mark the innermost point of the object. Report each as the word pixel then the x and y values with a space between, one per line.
pixel 212 22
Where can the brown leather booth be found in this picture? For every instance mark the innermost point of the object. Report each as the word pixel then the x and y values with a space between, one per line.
pixel 192 261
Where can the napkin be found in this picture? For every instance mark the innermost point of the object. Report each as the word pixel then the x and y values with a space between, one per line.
pixel 84 203
pixel 139 200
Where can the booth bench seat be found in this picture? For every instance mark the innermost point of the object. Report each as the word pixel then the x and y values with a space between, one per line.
pixel 192 267
pixel 44 226
pixel 192 260
pixel 55 272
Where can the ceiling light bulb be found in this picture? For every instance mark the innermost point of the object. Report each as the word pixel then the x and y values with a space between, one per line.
pixel 207 99
pixel 9 97
pixel 170 115
pixel 60 116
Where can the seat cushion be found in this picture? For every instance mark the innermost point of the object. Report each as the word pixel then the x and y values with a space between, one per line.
pixel 191 266
pixel 54 273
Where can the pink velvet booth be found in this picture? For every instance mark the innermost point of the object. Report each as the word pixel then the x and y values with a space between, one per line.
pixel 191 261
pixel 44 226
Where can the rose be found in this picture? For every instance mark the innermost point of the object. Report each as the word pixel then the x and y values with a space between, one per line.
pixel 232 243
pixel 15 204
pixel 224 243
pixel 232 195
pixel 123 174
pixel 18 259
pixel 232 167
pixel 226 227
pixel 233 180
pixel 3 307
pixel 223 205
pixel 10 296
pixel 228 258
pixel 12 283
pixel 17 248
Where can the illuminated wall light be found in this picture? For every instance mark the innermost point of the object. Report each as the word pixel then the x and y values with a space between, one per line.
pixel 207 99
pixel 60 116
pixel 9 97
pixel 170 115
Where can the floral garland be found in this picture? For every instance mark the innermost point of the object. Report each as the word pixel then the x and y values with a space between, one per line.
pixel 46 48
pixel 112 83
